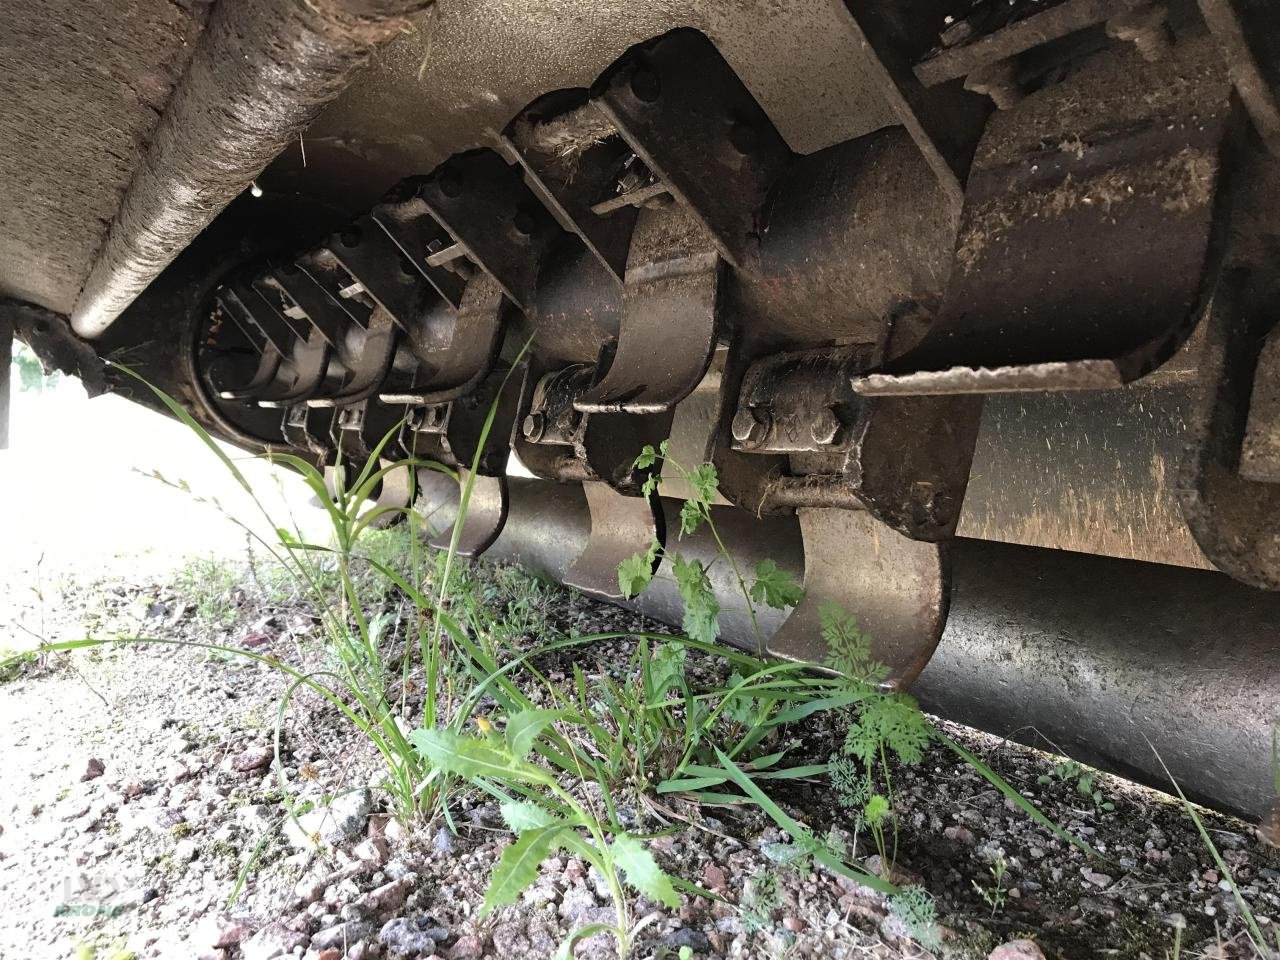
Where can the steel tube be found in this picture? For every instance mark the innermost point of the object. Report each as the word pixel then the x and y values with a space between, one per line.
pixel 261 72
pixel 1103 658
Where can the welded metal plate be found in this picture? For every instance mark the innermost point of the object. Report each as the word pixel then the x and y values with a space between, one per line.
pixel 621 527
pixel 486 514
pixel 897 590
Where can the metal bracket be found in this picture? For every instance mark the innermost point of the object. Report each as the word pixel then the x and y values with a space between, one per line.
pixel 370 365
pixel 904 459
pixel 570 182
pixel 1235 519
pixel 325 314
pixel 369 254
pixel 309 429
pixel 621 527
pixel 456 349
pixel 897 589
pixel 408 221
pixel 323 267
pixel 485 206
pixel 686 114
pixel 671 308
pixel 485 517
pixel 251 314
pixel 1037 298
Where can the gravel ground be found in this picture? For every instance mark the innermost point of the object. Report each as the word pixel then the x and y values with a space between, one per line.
pixel 135 786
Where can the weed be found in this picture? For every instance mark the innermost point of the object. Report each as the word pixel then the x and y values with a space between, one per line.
pixel 759 899
pixel 1068 771
pixel 1268 950
pixel 995 894
pixel 545 817
pixel 14 663
pixel 917 911
pixel 210 583
pixel 771 586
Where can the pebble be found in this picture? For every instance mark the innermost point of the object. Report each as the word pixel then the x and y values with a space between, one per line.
pixel 342 935
pixel 404 938
pixel 273 940
pixel 1017 950
pixel 252 758
pixel 93 769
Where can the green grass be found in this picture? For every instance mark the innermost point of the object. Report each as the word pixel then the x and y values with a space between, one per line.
pixel 435 668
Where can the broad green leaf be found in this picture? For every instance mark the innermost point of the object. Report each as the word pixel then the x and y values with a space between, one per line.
pixel 690 517
pixel 472 757
pixel 518 866
pixel 634 575
pixel 642 871
pixel 524 728
pixel 705 482
pixel 701 609
pixel 648 456
pixel 775 587
pixel 636 572
pixel 522 815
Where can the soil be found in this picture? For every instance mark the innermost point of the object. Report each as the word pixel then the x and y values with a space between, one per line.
pixel 136 786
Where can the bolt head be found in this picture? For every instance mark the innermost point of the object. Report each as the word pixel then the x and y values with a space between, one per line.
pixel 825 429
pixel 749 426
pixel 532 427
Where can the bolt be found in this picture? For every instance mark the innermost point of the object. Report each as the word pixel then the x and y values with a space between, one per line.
pixel 998 81
pixel 533 427
pixel 750 426
pixel 645 85
pixel 825 429
pixel 1145 28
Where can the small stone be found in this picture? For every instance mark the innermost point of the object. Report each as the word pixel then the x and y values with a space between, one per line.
pixel 443 843
pixel 93 769
pixel 228 932
pixel 794 924
pixel 273 940
pixel 253 757
pixel 373 850
pixel 342 935
pixel 387 898
pixel 1017 950
pixel 1099 880
pixel 403 938
pixel 689 937
pixel 715 880
pixel 343 819
pixel 176 771
pixel 959 834
pixel 467 948
pixel 185 850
